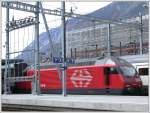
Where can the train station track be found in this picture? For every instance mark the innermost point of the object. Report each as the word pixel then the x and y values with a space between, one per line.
pixel 12 107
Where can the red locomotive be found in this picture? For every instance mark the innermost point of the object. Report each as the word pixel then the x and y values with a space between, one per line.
pixel 107 76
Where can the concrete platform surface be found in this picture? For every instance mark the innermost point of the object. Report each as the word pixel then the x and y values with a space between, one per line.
pixel 93 102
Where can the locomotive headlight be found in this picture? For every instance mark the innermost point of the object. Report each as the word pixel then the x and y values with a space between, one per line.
pixel 129 89
pixel 43 85
pixel 127 86
pixel 137 80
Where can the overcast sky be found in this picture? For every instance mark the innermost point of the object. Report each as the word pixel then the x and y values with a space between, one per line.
pixel 26 35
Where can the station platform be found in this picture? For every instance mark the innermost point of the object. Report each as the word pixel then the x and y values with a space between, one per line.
pixel 85 102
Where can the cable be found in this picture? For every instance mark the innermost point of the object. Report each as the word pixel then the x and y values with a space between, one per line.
pixel 18 53
pixel 10 48
pixel 33 41
pixel 23 37
pixel 28 45
pixel 22 49
pixel 14 54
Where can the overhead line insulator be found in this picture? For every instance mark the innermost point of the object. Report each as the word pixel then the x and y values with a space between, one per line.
pixel 16 24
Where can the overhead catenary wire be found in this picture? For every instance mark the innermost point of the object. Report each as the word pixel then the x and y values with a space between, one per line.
pixel 14 50
pixel 23 48
pixel 18 50
pixel 10 46
pixel 33 39
pixel 28 57
pixel 58 13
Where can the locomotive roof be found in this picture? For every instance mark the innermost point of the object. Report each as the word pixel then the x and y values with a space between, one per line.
pixel 111 61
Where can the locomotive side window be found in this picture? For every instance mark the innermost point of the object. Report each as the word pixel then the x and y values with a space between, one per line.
pixel 113 70
pixel 143 71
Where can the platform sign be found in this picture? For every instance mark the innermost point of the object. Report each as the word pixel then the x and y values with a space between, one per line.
pixel 60 60
pixel 70 61
pixel 57 60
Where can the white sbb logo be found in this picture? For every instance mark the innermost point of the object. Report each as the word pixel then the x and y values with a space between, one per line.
pixel 81 78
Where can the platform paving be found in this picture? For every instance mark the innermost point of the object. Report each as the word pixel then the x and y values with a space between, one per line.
pixel 89 102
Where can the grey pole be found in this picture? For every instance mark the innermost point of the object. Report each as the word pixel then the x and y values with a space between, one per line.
pixel 109 41
pixel 141 34
pixel 7 69
pixel 120 49
pixel 75 53
pixel 34 81
pixel 64 91
pixel 50 39
pixel 71 52
pixel 96 47
pixel 47 30
pixel 37 60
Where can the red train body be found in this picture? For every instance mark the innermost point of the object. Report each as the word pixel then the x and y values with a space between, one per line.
pixel 97 79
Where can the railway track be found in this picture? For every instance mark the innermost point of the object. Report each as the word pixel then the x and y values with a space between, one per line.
pixel 12 107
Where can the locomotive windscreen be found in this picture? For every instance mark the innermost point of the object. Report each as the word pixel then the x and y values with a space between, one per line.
pixel 112 61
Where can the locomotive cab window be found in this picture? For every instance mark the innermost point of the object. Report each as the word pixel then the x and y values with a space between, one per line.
pixel 127 70
pixel 110 70
pixel 113 70
pixel 143 71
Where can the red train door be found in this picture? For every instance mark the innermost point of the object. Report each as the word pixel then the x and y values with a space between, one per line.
pixel 107 79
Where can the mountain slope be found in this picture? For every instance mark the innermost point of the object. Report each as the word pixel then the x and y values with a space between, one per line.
pixel 113 11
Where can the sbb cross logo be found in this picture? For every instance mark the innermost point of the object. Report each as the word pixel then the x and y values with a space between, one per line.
pixel 81 78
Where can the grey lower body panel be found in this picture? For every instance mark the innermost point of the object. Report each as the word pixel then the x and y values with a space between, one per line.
pixel 76 91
